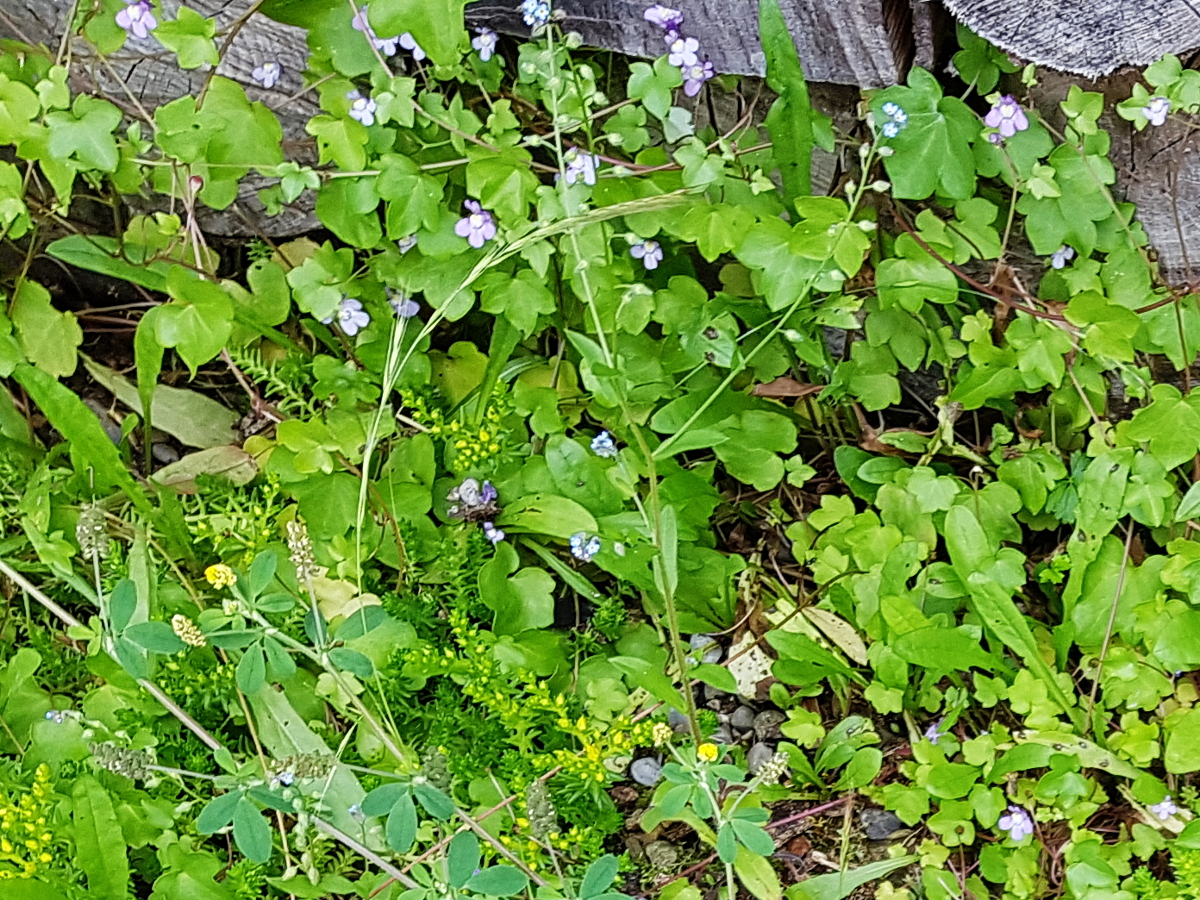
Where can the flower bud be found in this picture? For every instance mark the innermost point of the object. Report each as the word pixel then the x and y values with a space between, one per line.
pixel 886 151
pixel 573 40
pixel 880 186
pixel 867 226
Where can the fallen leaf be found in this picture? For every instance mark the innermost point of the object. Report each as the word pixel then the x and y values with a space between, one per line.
pixel 229 462
pixel 748 668
pixel 786 387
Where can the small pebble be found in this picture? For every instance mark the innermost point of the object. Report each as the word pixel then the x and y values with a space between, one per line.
pixel 662 854
pixel 766 725
pixel 742 718
pixel 678 721
pixel 757 756
pixel 714 652
pixel 164 454
pixel 646 771
pixel 879 824
pixel 723 735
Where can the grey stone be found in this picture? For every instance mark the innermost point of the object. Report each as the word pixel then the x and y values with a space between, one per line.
pixel 758 756
pixel 714 652
pixel 678 721
pixel 164 454
pixel 646 771
pixel 662 854
pixel 766 725
pixel 879 824
pixel 723 735
pixel 742 718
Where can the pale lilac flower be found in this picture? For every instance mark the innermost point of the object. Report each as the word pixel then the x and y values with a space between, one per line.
pixel 409 43
pixel 478 227
pixel 649 252
pixel 1017 822
pixel 1063 255
pixel 1007 116
pixel 488 493
pixel 350 315
pixel 404 306
pixel 934 733
pixel 583 546
pixel 682 52
pixel 604 446
pixel 492 533
pixel 580 166
pixel 267 75
pixel 406 243
pixel 1164 808
pixel 1156 110
pixel 362 108
pixel 137 18
pixel 669 20
pixel 695 76
pixel 356 813
pixel 536 13
pixel 386 46
pixel 485 44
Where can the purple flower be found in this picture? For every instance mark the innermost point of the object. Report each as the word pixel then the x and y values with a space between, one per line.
pixel 536 13
pixel 1164 808
pixel 137 18
pixel 580 166
pixel 1063 255
pixel 404 306
pixel 409 43
pixel 1017 822
pixel 695 76
pixel 670 20
pixel 583 546
pixel 488 493
pixel 934 733
pixel 1007 116
pixel 350 315
pixel 1155 111
pixel 485 44
pixel 604 446
pixel 362 108
pixel 267 74
pixel 386 46
pixel 406 243
pixel 682 52
pixel 492 533
pixel 649 252
pixel 478 227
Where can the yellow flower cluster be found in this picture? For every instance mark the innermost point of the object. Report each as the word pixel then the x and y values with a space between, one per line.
pixel 220 576
pixel 25 837
pixel 470 447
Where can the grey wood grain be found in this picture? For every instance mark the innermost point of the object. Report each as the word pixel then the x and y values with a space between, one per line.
pixel 1086 37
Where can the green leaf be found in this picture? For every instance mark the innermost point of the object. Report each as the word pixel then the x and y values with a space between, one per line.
pixel 839 885
pixel 99 844
pixel 599 877
pixel 498 881
pixel 89 445
pixel 96 253
pixel 462 858
pixel 381 800
pixel 251 832
pixel 347 207
pixel 912 277
pixel 757 874
pixel 547 514
pixel 941 649
pixel 199 320
pixel 789 121
pixel 190 36
pixel 436 25
pixel 435 802
pixel 753 838
pixel 49 338
pixel 653 85
pixel 218 812
pixel 352 661
pixel 157 637
pixel 252 669
pixel 85 135
pixel 401 829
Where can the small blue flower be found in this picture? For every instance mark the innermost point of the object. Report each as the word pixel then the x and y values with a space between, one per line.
pixel 485 44
pixel 267 74
pixel 350 315
pixel 362 109
pixel 584 546
pixel 649 252
pixel 287 779
pixel 580 166
pixel 404 305
pixel 603 445
pixel 356 813
pixel 492 533
pixel 897 118
pixel 934 733
pixel 536 13
pixel 488 493
pixel 1017 822
pixel 1164 808
pixel 1063 255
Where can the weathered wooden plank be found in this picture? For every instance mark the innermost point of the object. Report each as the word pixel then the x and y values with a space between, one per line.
pixel 1086 37
pixel 844 42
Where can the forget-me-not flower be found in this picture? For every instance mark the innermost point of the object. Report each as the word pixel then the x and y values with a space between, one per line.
pixel 604 446
pixel 536 13
pixel 896 120
pixel 478 226
pixel 584 546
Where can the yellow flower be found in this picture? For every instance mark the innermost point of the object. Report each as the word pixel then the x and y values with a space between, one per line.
pixel 220 575
pixel 707 752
